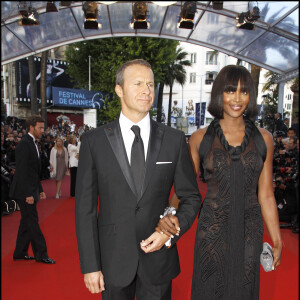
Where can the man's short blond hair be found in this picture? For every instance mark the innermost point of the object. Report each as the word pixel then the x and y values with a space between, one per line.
pixel 120 72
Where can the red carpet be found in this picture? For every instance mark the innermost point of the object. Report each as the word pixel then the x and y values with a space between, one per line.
pixel 62 281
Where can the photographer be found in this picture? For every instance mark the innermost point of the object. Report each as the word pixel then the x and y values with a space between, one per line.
pixel 8 206
pixel 285 166
pixel 11 152
pixel 279 192
pixel 279 124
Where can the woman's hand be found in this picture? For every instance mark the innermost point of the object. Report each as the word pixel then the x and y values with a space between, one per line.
pixel 277 249
pixel 168 225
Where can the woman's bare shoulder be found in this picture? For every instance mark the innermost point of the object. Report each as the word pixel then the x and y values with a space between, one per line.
pixel 197 136
pixel 267 135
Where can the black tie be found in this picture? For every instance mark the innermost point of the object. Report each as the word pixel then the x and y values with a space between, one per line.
pixel 137 159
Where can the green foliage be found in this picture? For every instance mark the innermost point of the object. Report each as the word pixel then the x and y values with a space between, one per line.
pixel 107 55
pixel 175 71
pixel 270 99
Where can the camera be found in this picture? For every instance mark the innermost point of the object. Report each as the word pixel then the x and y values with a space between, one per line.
pixel 279 133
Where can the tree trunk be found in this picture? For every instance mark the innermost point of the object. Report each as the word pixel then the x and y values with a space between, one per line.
pixel 170 105
pixel 33 85
pixel 255 72
pixel 43 87
pixel 160 101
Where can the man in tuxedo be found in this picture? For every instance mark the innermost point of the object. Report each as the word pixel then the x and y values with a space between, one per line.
pixel 131 164
pixel 26 189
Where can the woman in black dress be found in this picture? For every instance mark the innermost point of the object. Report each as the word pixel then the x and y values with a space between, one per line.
pixel 235 158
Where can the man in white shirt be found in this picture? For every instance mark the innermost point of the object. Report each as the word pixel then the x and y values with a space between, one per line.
pixel 27 190
pixel 130 165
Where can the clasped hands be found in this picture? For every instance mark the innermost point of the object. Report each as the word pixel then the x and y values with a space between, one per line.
pixel 166 228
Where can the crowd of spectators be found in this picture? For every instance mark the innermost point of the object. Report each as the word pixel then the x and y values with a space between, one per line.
pixel 286 177
pixel 285 163
pixel 12 130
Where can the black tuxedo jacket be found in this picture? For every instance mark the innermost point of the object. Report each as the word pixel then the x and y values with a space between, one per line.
pixel 26 180
pixel 110 242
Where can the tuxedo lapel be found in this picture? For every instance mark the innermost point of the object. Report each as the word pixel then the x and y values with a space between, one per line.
pixel 115 139
pixel 155 141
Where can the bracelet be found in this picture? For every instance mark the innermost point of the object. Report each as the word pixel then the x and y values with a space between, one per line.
pixel 170 210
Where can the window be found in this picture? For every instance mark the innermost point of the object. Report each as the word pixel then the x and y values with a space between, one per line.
pixel 192 77
pixel 193 58
pixel 210 77
pixel 212 58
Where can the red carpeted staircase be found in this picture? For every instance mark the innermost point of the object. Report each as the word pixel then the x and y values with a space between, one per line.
pixel 36 281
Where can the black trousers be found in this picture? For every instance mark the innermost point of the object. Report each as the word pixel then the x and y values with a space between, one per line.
pixel 30 232
pixel 73 173
pixel 141 287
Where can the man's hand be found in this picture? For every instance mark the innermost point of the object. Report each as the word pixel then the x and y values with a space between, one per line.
pixel 154 242
pixel 94 282
pixel 30 200
pixel 42 195
pixel 168 225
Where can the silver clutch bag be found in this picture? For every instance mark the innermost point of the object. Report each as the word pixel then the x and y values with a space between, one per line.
pixel 266 257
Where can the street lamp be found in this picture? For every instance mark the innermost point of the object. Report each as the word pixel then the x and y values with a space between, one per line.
pixel 89 72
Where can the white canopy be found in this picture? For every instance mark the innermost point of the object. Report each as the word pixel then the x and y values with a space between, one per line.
pixel 273 44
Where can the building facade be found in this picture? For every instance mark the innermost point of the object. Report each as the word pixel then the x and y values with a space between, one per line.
pixel 205 65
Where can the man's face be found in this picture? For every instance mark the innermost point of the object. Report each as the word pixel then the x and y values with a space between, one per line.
pixel 291 133
pixel 37 130
pixel 137 93
pixel 290 145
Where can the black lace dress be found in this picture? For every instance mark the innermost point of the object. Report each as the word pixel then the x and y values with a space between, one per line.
pixel 229 233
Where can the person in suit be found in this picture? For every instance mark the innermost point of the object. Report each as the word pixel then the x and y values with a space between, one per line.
pixel 26 189
pixel 132 171
pixel 279 124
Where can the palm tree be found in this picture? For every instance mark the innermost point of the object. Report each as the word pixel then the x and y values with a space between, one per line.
pixel 176 72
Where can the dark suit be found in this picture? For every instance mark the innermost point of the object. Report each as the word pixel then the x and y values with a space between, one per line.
pixel 26 183
pixel 110 242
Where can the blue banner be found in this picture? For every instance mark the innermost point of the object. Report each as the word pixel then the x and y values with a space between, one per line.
pixel 77 98
pixel 202 116
pixel 198 115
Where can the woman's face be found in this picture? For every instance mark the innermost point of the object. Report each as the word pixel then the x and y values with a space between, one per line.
pixel 59 143
pixel 235 102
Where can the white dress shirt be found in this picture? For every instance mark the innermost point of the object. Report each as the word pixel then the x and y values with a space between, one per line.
pixel 128 138
pixel 37 149
pixel 128 135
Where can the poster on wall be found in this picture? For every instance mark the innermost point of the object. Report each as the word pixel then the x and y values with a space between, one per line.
pixel 55 76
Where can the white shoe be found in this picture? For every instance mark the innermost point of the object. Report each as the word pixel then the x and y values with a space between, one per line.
pixel 57 196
